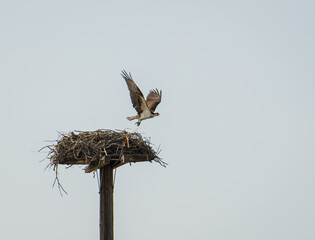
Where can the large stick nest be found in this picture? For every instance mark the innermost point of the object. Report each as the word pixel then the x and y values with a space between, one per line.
pixel 98 148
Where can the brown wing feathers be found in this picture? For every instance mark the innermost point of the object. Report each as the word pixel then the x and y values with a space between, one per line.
pixel 137 98
pixel 153 99
pixel 136 95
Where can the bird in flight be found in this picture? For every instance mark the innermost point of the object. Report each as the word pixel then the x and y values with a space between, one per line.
pixel 144 108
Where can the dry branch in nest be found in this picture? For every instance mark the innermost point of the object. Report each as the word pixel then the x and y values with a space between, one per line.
pixel 99 148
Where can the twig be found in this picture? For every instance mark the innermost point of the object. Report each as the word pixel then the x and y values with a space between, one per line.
pixel 60 187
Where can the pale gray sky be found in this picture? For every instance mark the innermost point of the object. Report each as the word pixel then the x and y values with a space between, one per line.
pixel 236 124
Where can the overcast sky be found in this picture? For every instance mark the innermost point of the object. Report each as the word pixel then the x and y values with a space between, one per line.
pixel 236 121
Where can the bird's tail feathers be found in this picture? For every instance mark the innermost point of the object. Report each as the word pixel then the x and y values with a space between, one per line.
pixel 132 118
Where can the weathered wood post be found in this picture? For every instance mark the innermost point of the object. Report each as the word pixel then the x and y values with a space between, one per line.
pixel 106 203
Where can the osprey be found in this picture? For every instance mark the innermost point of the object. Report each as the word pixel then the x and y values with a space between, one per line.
pixel 145 108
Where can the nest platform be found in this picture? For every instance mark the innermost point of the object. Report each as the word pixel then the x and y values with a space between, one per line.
pixel 96 149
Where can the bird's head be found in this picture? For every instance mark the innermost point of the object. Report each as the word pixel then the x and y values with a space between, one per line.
pixel 156 114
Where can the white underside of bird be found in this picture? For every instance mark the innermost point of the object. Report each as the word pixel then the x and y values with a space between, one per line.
pixel 146 114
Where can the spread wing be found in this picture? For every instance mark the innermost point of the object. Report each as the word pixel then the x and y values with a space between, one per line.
pixel 153 99
pixel 136 95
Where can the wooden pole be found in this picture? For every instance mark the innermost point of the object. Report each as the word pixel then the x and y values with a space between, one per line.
pixel 106 204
